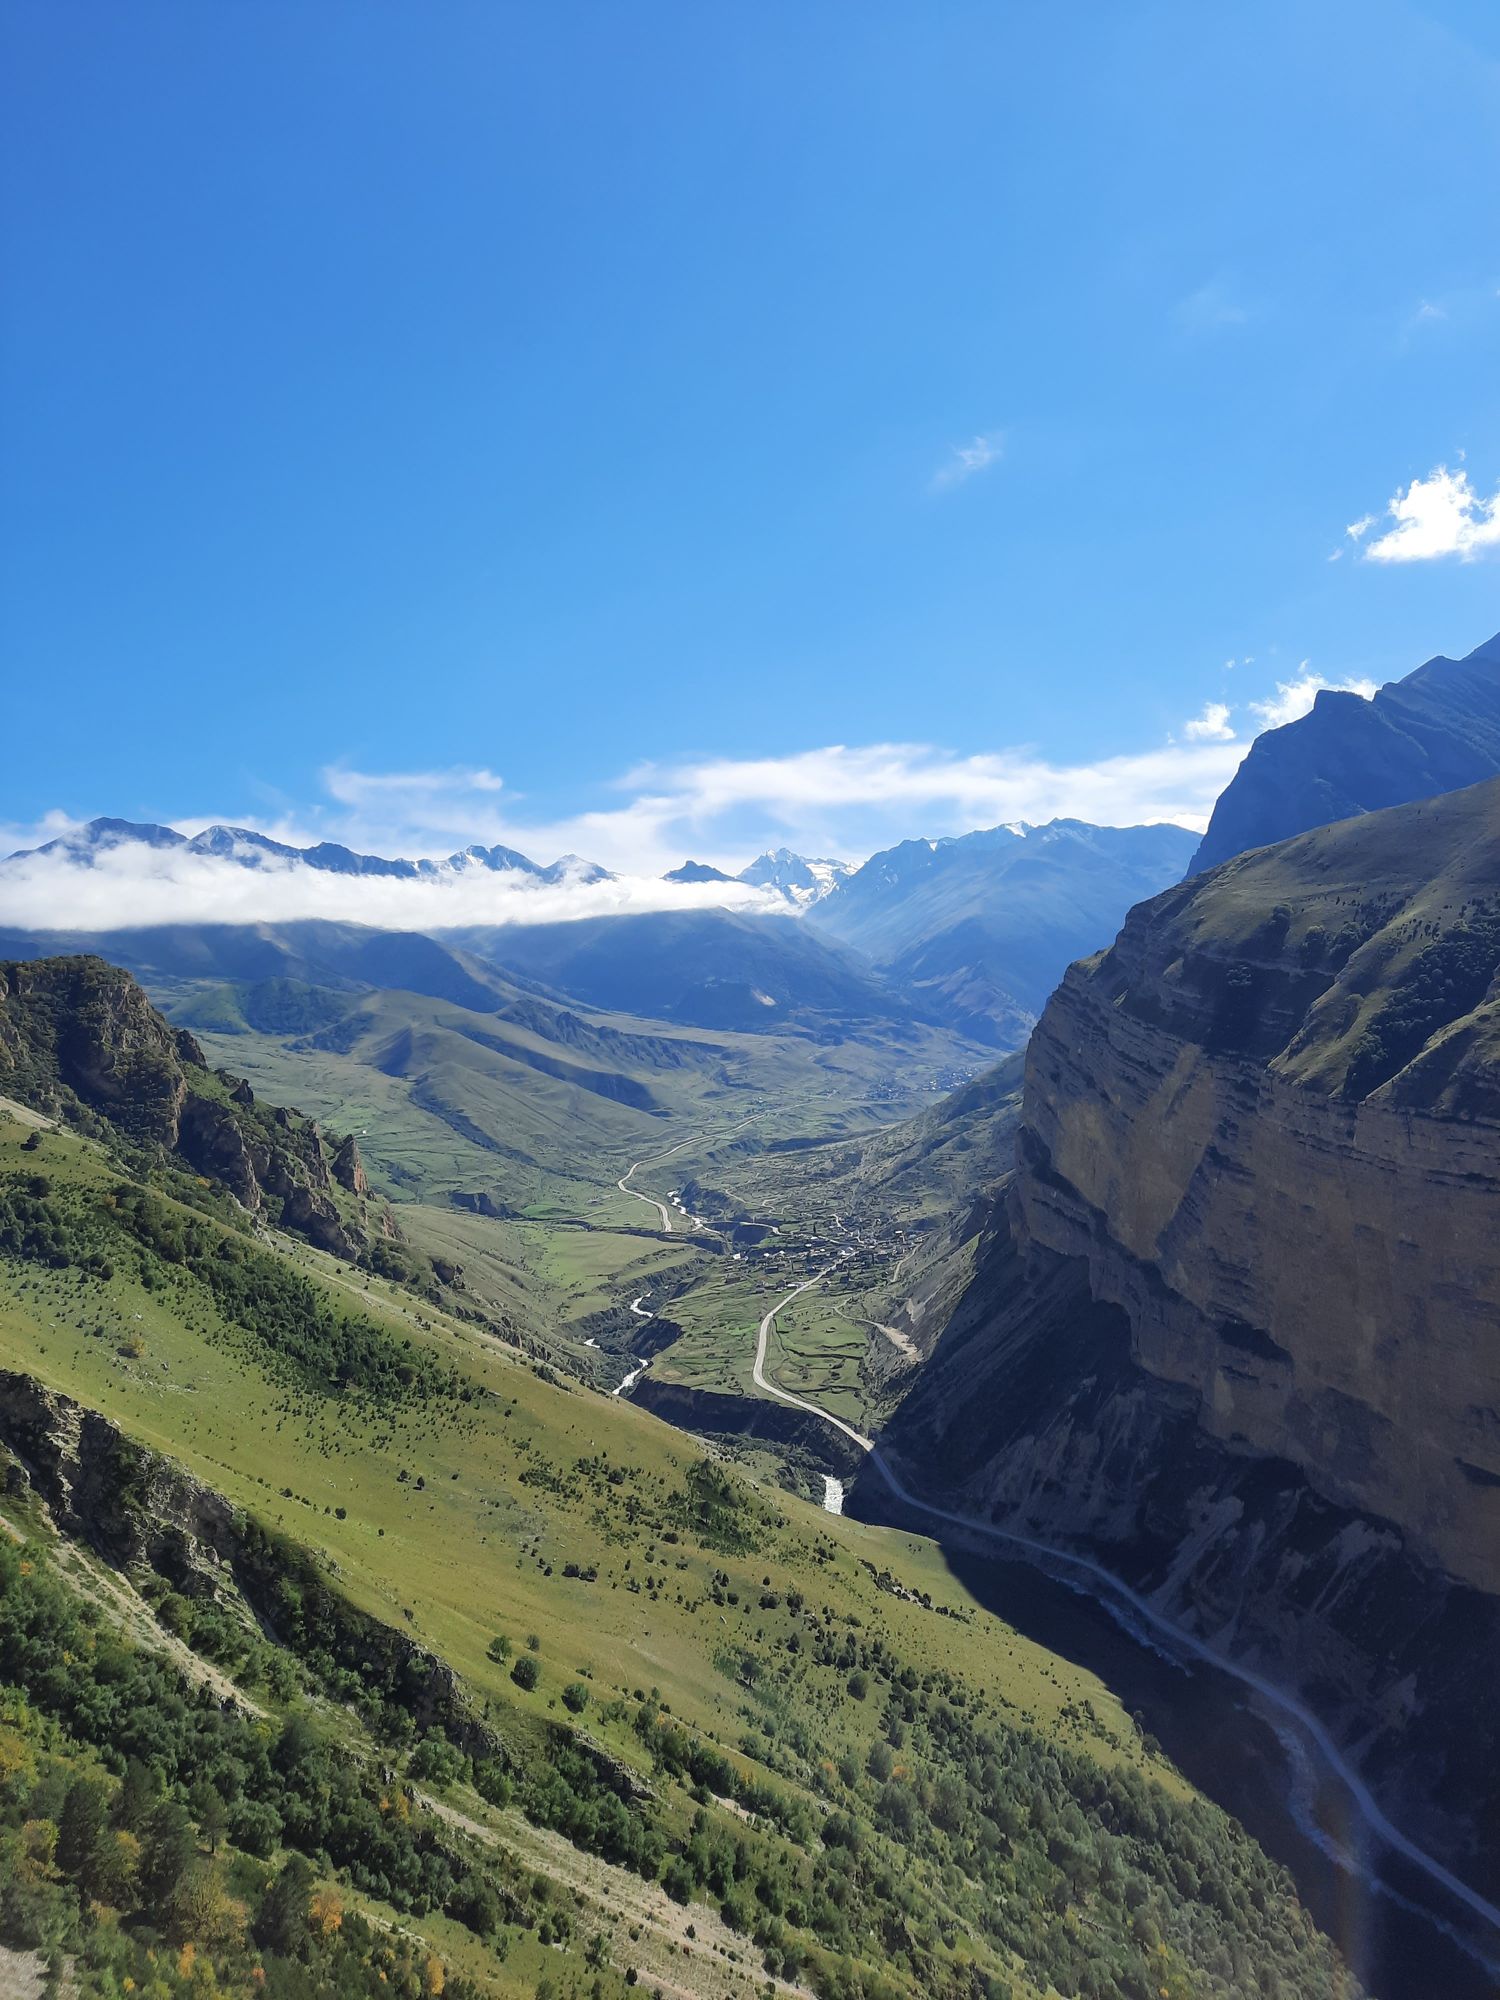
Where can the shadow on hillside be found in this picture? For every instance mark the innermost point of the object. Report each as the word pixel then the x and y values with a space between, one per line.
pixel 1200 1718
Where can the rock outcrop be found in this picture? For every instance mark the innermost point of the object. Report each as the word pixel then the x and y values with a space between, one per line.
pixel 76 1033
pixel 142 1511
pixel 80 1041
pixel 349 1168
pixel 1235 1320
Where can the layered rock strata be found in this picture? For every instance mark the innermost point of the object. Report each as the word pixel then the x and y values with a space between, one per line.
pixel 1234 1324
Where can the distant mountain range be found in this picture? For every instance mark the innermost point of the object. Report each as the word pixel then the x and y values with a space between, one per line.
pixel 1435 731
pixel 981 927
pixel 971 933
pixel 257 850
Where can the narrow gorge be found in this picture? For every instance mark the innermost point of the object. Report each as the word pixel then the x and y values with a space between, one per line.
pixel 1234 1327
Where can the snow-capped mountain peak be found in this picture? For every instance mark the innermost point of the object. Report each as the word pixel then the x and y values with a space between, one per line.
pixel 798 879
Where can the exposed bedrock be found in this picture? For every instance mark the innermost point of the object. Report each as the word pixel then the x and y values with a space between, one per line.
pixel 1234 1324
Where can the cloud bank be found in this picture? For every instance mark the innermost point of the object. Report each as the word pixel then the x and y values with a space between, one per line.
pixel 837 799
pixel 131 886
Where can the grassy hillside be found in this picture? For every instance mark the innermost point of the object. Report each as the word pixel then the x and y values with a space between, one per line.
pixel 829 1761
pixel 1359 960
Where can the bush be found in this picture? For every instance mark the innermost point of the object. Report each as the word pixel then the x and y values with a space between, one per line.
pixel 436 1761
pixel 576 1697
pixel 526 1673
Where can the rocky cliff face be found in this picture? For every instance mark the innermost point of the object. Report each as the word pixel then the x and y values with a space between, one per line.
pixel 80 1041
pixel 76 1032
pixel 1236 1318
pixel 1323 1277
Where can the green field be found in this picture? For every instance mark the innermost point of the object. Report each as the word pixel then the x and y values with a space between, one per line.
pixel 453 1115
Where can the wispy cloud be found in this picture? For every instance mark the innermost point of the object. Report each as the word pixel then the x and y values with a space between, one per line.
pixel 1458 312
pixel 964 460
pixel 920 787
pixel 1212 308
pixel 356 788
pixel 1441 515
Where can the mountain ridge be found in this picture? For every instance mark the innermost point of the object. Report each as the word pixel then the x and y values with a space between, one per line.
pixel 800 881
pixel 1437 730
pixel 983 924
pixel 249 849
pixel 81 1043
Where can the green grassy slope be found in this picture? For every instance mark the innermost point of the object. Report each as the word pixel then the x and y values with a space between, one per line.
pixel 927 1803
pixel 1373 973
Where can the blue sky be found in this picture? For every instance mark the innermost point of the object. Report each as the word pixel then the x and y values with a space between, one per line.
pixel 669 428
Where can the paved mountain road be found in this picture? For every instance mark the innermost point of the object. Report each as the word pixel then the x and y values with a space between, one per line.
pixel 650 1200
pixel 1096 1581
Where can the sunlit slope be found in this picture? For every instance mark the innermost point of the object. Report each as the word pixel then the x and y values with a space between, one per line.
pixel 464 1496
pixel 498 1476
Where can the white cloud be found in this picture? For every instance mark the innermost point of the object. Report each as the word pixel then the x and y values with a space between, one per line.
pixel 1293 699
pixel 1357 530
pixel 51 826
pixel 1212 726
pixel 1440 515
pixel 836 799
pixel 815 789
pixel 131 885
pixel 965 460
